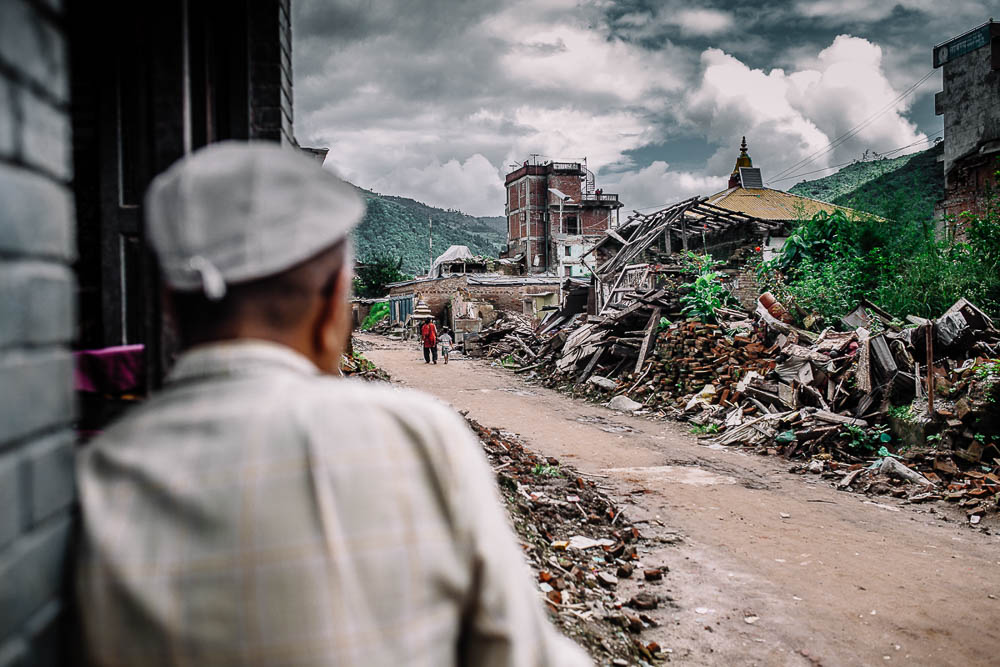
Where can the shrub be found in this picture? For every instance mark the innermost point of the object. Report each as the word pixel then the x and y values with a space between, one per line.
pixel 379 312
pixel 707 291
pixel 831 261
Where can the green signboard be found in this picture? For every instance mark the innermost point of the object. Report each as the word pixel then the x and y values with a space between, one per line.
pixel 970 41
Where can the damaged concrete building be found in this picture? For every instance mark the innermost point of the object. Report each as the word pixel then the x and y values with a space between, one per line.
pixel 555 214
pixel 970 104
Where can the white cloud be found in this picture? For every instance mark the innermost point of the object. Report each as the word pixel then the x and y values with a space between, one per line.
pixel 856 11
pixel 701 21
pixel 472 186
pixel 439 118
pixel 657 185
pixel 791 116
pixel 675 18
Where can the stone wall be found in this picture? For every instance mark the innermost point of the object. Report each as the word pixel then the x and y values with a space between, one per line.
pixel 437 293
pixel 37 247
pixel 508 297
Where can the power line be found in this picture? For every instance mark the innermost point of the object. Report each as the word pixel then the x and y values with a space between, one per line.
pixel 853 131
pixel 857 128
pixel 844 164
pixel 928 140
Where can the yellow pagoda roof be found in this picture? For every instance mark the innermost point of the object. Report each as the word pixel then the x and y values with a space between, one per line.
pixel 769 204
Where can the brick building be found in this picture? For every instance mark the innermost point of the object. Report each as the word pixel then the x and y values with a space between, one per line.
pixel 555 214
pixel 970 104
pixel 95 99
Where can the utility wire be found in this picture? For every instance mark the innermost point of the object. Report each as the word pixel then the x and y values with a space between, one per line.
pixel 929 139
pixel 853 131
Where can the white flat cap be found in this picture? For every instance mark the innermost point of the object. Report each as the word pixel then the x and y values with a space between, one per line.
pixel 237 211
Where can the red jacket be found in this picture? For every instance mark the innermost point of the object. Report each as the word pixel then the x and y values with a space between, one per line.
pixel 429 332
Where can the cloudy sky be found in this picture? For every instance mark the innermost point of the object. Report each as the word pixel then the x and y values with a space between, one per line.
pixel 434 99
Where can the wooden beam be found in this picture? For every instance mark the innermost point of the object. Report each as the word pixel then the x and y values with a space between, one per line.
pixel 651 328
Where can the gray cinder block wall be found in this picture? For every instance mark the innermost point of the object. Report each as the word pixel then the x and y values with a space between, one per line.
pixel 36 327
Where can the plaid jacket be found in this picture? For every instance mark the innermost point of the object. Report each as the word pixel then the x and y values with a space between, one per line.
pixel 257 513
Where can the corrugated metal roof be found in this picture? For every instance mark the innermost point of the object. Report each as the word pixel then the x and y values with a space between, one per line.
pixel 492 279
pixel 485 279
pixel 771 204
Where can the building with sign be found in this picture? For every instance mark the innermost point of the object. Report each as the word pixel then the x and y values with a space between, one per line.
pixel 970 104
pixel 555 214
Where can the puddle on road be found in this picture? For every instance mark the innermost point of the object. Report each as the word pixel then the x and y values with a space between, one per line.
pixel 690 475
pixel 605 424
pixel 518 392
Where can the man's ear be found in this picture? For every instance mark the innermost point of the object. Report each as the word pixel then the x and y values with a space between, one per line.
pixel 333 323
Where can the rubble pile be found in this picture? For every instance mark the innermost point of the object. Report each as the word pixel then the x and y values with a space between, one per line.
pixel 857 395
pixel 582 551
pixel 854 398
pixel 696 361
pixel 509 336
pixel 354 364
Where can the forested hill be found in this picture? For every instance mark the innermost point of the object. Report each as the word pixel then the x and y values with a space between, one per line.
pixel 398 226
pixel 891 187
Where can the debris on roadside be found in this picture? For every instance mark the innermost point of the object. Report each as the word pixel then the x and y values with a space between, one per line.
pixel 754 380
pixel 354 364
pixel 580 548
pixel 659 335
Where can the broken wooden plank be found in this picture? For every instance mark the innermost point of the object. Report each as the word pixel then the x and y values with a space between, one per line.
pixel 651 328
pixel 834 418
pixel 590 365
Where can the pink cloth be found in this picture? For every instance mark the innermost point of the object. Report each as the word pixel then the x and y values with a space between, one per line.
pixel 111 370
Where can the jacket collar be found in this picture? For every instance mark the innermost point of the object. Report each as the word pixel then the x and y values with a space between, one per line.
pixel 238 357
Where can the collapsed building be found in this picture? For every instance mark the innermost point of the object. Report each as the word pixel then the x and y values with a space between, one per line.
pixel 885 406
pixel 465 291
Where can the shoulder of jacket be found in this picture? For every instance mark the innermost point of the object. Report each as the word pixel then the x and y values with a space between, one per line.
pixel 373 395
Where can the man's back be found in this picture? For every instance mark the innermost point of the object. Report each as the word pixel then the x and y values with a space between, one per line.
pixel 257 513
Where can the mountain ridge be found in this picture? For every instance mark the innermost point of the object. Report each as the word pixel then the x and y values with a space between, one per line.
pixel 399 227
pixel 908 185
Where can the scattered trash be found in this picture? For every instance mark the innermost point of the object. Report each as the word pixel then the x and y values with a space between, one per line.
pixel 584 542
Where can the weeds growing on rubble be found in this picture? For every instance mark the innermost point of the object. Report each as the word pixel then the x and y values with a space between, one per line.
pixel 866 439
pixel 708 292
pixel 545 470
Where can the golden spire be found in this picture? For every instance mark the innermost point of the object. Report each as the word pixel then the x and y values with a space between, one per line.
pixel 744 159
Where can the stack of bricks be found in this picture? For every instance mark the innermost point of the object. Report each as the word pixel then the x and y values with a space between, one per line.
pixel 693 354
pixel 36 327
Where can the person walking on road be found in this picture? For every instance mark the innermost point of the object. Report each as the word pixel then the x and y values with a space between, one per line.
pixel 429 334
pixel 257 510
pixel 446 342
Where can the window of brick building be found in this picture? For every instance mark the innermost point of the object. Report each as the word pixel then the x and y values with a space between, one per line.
pixel 572 224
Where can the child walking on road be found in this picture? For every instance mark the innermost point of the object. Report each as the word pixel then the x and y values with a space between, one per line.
pixel 445 340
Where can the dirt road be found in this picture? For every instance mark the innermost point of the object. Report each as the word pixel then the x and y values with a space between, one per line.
pixel 833 578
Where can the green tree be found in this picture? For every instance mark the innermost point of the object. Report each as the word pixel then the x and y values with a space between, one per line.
pixel 377 271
